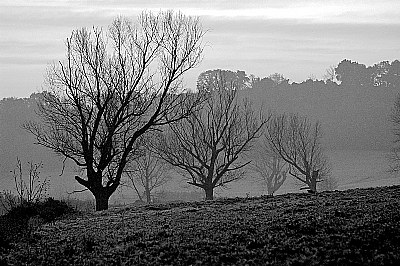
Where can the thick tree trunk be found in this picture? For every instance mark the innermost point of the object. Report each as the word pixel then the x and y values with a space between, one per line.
pixel 209 193
pixel 313 182
pixel 101 194
pixel 312 187
pixel 148 196
pixel 101 201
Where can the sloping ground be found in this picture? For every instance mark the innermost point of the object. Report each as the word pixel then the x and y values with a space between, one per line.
pixel 360 226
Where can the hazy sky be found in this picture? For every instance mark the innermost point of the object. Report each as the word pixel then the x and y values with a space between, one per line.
pixel 297 38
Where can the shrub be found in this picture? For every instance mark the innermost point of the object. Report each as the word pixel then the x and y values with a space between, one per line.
pixel 48 210
pixel 23 219
pixel 22 211
pixel 4 241
pixel 51 209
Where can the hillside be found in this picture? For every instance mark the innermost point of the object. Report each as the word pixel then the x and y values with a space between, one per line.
pixel 352 118
pixel 353 227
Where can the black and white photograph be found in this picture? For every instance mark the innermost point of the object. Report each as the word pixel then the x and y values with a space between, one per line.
pixel 259 132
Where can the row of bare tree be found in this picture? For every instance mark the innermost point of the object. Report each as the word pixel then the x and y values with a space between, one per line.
pixel 118 98
pixel 212 147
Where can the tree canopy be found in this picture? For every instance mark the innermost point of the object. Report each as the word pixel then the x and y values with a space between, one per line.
pixel 112 88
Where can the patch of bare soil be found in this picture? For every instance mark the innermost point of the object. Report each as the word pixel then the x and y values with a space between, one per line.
pixel 354 227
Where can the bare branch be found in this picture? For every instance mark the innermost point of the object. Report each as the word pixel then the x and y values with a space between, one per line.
pixel 114 86
pixel 297 142
pixel 211 143
pixel 77 191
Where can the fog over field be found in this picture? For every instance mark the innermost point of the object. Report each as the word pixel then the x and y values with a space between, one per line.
pixel 357 139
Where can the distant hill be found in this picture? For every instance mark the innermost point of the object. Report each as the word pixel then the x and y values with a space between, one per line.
pixel 353 102
pixel 16 142
pixel 353 118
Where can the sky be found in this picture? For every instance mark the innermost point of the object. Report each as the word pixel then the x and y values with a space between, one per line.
pixel 297 38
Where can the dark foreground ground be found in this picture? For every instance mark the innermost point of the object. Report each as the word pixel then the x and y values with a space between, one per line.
pixel 354 227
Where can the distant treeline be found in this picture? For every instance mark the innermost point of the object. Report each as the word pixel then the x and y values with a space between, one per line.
pixel 346 74
pixel 353 102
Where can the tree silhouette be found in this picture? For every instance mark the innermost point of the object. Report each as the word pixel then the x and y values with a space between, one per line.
pixel 351 73
pixel 239 78
pixel 278 79
pixel 208 147
pixel 330 75
pixel 112 88
pixel 387 74
pixel 297 142
pixel 148 172
pixel 271 168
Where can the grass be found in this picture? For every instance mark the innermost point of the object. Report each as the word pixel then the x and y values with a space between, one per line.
pixel 353 227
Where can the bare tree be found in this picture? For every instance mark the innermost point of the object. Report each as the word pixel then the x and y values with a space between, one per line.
pixel 330 74
pixel 271 168
pixel 148 173
pixel 297 141
pixel 30 187
pixel 278 79
pixel 208 146
pixel 112 88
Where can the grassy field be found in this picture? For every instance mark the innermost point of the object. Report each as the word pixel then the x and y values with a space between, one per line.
pixel 353 227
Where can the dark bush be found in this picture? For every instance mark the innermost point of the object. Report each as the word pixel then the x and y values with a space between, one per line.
pixel 4 241
pixel 22 211
pixel 10 229
pixel 48 210
pixel 51 209
pixel 16 223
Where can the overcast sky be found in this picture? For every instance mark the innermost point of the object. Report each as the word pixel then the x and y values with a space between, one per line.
pixel 297 38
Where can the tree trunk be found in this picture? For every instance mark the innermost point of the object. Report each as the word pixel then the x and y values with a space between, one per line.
pixel 102 201
pixel 148 196
pixel 270 188
pixel 209 193
pixel 101 194
pixel 313 182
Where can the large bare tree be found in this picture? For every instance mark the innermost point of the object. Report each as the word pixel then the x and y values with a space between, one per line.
pixel 209 146
pixel 114 86
pixel 298 142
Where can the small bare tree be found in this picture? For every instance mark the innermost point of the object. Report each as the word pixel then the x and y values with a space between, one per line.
pixel 114 87
pixel 297 141
pixel 330 74
pixel 30 187
pixel 148 173
pixel 208 146
pixel 34 188
pixel 271 168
